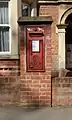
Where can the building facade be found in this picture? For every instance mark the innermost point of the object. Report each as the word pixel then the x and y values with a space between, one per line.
pixel 35 39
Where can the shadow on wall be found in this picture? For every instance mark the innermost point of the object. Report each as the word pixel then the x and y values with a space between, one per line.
pixel 9 71
pixel 61 72
pixel 9 89
pixel 30 96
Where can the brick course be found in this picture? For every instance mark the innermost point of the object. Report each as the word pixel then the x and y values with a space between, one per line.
pixel 62 91
pixel 35 87
pixel 9 67
pixel 9 90
pixel 9 81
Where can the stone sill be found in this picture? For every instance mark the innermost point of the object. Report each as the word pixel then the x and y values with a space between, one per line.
pixel 54 2
pixel 9 57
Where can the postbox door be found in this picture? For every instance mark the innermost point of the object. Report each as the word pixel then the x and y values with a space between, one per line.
pixel 36 56
pixel 35 53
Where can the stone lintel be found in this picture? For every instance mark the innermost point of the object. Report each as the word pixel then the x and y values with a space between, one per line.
pixel 35 20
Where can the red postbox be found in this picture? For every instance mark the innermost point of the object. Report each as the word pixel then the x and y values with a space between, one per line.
pixel 35 49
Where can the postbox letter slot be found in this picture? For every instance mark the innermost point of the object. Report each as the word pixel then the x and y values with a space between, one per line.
pixel 39 34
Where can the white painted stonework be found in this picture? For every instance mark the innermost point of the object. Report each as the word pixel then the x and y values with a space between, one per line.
pixel 61 50
pixel 64 11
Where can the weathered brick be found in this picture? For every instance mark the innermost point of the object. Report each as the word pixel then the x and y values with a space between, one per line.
pixel 36 80
pixel 61 91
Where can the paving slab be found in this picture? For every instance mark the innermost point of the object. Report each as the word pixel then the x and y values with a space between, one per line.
pixel 21 113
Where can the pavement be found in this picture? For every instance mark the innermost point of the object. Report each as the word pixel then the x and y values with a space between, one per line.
pixel 20 113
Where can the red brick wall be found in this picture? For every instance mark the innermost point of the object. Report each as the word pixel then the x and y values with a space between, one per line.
pixel 52 10
pixel 9 67
pixel 35 87
pixel 62 91
pixel 9 90
pixel 9 81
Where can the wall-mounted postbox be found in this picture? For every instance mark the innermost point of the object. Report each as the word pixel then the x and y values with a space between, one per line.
pixel 35 49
